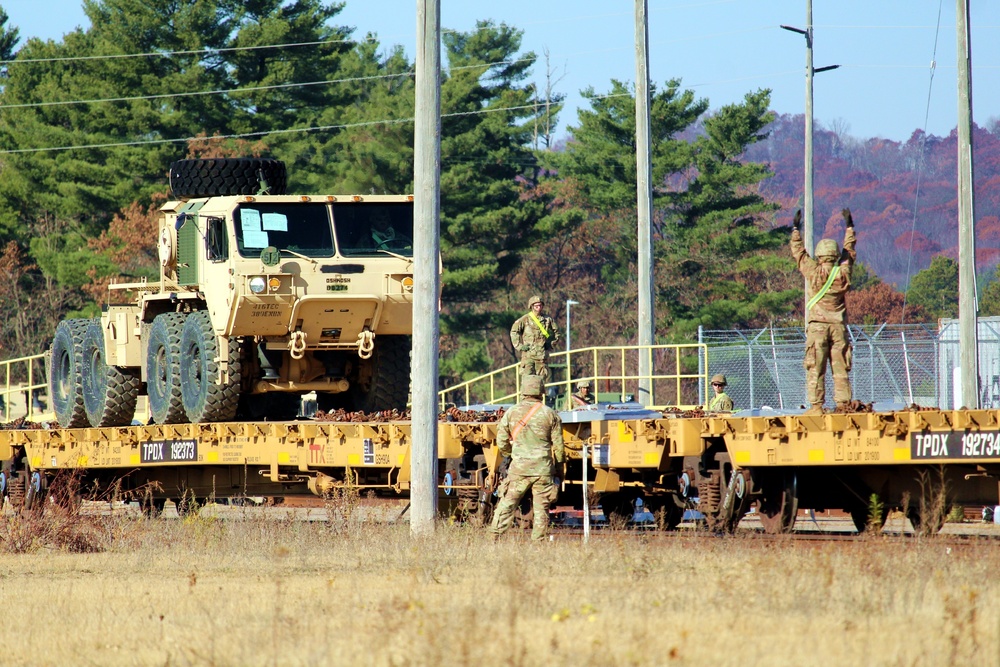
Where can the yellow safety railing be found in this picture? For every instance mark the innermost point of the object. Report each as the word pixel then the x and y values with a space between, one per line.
pixel 677 377
pixel 24 392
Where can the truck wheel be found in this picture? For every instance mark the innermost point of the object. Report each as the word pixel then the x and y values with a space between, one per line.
pixel 109 393
pixel 206 396
pixel 66 374
pixel 389 385
pixel 163 372
pixel 220 177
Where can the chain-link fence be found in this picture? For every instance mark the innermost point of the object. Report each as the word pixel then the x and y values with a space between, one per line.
pixel 891 363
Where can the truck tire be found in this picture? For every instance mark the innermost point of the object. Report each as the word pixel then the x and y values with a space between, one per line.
pixel 220 177
pixel 163 372
pixel 205 396
pixel 109 393
pixel 66 374
pixel 389 387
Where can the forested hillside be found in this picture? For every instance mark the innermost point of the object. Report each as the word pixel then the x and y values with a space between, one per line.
pixel 902 194
pixel 86 137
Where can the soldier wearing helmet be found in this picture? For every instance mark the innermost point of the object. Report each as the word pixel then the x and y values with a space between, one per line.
pixel 828 277
pixel 534 335
pixel 582 398
pixel 721 401
pixel 530 433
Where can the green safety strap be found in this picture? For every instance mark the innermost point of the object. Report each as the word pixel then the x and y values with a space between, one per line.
pixel 541 327
pixel 826 287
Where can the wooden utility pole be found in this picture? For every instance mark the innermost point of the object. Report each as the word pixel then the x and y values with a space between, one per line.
pixel 644 177
pixel 968 353
pixel 426 281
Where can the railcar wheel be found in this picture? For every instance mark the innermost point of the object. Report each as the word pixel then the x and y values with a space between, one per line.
pixel 66 374
pixel 109 393
pixel 206 396
pixel 34 496
pixel 779 501
pixel 163 372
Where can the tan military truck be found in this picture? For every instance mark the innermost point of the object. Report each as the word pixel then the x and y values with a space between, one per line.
pixel 262 296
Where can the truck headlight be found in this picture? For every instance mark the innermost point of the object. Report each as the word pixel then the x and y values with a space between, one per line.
pixel 257 285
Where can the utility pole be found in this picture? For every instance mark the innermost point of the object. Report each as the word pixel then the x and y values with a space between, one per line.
pixel 968 352
pixel 807 205
pixel 644 177
pixel 426 281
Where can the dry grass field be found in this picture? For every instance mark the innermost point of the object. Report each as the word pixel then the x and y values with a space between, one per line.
pixel 258 590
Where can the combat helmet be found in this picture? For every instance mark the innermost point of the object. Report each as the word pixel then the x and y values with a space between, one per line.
pixel 827 248
pixel 583 384
pixel 533 300
pixel 719 379
pixel 532 385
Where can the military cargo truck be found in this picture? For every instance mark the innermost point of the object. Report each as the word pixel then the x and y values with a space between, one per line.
pixel 262 296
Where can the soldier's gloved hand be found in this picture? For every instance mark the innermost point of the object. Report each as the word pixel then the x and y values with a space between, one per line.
pixel 797 221
pixel 847 217
pixel 524 348
pixel 504 464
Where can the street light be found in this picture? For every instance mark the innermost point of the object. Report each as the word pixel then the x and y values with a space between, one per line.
pixel 569 302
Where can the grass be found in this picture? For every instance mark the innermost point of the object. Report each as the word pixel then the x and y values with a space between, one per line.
pixel 258 589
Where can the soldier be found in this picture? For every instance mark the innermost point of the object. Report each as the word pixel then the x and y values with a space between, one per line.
pixel 531 434
pixel 828 277
pixel 721 401
pixel 534 335
pixel 582 398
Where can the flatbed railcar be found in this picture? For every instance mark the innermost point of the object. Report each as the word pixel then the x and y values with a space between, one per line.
pixel 723 465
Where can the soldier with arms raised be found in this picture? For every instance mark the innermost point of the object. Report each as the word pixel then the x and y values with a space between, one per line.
pixel 828 277
pixel 530 433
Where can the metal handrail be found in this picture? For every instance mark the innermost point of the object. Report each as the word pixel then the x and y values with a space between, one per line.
pixel 504 384
pixel 31 388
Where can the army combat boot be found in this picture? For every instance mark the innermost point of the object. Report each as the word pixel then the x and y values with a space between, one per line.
pixel 816 409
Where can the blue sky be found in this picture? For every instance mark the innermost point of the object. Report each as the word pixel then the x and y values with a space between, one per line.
pixel 721 49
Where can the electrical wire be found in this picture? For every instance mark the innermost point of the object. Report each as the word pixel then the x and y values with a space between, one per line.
pixel 920 163
pixel 244 135
pixel 168 54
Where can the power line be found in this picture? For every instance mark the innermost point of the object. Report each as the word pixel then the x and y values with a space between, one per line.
pixel 245 135
pixel 28 105
pixel 168 54
pixel 249 89
pixel 920 162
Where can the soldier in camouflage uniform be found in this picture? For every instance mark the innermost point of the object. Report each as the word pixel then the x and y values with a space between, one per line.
pixel 534 335
pixel 721 401
pixel 531 434
pixel 828 277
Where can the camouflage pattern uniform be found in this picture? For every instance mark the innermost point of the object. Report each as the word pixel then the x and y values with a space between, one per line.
pixel 532 342
pixel 531 434
pixel 826 335
pixel 581 398
pixel 721 401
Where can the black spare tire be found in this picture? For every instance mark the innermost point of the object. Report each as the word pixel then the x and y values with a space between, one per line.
pixel 221 177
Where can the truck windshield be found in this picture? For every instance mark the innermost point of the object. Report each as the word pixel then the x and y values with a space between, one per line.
pixel 370 228
pixel 303 228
